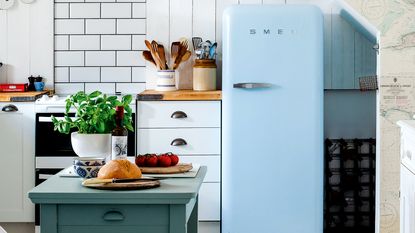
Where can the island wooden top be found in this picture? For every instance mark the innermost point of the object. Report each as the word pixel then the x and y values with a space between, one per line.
pixel 27 96
pixel 151 95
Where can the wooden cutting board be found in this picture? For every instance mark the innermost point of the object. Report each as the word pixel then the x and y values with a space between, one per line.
pixel 126 186
pixel 21 96
pixel 179 168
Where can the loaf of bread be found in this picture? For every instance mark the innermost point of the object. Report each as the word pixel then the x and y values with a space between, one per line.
pixel 119 169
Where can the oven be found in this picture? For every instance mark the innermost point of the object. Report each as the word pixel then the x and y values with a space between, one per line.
pixel 53 150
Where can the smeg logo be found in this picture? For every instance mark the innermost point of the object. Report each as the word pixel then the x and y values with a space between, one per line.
pixel 267 31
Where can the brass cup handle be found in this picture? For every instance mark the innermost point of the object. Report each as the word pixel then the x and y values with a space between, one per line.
pixel 178 142
pixel 178 115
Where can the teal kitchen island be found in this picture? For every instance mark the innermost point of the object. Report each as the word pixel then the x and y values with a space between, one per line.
pixel 68 207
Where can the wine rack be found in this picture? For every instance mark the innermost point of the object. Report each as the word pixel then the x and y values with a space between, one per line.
pixel 349 183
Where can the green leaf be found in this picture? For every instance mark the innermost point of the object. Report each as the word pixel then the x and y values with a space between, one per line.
pixel 126 100
pixel 94 94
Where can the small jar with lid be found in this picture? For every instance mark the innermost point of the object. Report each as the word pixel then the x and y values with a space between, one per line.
pixel 204 75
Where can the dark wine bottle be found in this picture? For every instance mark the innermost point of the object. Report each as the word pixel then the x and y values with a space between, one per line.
pixel 119 136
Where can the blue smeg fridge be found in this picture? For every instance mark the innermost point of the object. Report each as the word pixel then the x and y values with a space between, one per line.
pixel 272 161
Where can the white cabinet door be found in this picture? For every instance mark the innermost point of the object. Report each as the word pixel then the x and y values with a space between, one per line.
pixel 17 160
pixel 209 202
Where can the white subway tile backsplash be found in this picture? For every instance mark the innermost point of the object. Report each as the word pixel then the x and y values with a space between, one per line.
pixel 115 74
pixel 100 58
pixel 62 42
pixel 68 88
pixel 131 26
pixel 138 42
pixel 130 58
pixel 116 42
pixel 61 10
pixel 69 58
pixel 85 10
pixel 100 0
pixel 130 88
pixel 139 74
pixel 116 10
pixel 131 0
pixel 69 0
pixel 61 74
pixel 106 88
pixel 139 10
pixel 69 26
pixel 89 42
pixel 84 74
pixel 100 26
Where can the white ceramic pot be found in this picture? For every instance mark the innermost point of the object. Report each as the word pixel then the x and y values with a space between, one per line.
pixel 91 145
pixel 166 80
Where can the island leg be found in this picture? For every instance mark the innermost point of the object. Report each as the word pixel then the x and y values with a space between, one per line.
pixel 178 219
pixel 193 222
pixel 48 218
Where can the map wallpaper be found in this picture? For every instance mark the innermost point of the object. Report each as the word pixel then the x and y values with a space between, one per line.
pixel 395 19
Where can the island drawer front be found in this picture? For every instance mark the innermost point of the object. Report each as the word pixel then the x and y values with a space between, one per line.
pixel 212 162
pixel 113 229
pixel 188 141
pixel 119 214
pixel 209 202
pixel 178 114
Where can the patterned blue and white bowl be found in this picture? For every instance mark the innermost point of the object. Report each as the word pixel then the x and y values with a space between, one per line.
pixel 87 171
pixel 89 161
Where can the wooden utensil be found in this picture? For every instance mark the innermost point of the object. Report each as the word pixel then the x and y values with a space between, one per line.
pixel 182 51
pixel 147 56
pixel 154 53
pixel 162 55
pixel 186 56
pixel 148 44
pixel 175 47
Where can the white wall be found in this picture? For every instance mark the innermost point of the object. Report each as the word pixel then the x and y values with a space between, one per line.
pixel 26 42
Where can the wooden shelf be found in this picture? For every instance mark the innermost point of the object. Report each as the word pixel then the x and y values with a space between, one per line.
pixel 151 95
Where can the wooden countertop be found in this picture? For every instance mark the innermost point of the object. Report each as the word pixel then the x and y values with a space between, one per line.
pixel 27 96
pixel 151 95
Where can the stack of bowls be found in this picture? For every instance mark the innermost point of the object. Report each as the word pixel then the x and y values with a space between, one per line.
pixel 88 167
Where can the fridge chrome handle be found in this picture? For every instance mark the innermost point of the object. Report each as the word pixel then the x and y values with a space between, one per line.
pixel 252 85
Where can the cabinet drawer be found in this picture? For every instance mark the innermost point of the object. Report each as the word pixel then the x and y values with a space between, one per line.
pixel 113 215
pixel 211 162
pixel 180 141
pixel 209 202
pixel 174 114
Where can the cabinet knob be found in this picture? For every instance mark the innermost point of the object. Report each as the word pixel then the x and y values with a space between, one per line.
pixel 178 115
pixel 113 216
pixel 178 142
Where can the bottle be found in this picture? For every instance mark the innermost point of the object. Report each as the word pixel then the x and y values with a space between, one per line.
pixel 119 136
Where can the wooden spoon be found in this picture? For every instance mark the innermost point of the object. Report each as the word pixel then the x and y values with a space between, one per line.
pixel 186 56
pixel 175 47
pixel 155 54
pixel 147 56
pixel 162 55
pixel 182 51
pixel 148 44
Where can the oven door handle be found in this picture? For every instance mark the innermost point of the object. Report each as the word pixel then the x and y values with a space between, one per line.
pixel 44 176
pixel 49 119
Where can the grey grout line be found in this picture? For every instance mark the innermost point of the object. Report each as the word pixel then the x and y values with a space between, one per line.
pixel 98 18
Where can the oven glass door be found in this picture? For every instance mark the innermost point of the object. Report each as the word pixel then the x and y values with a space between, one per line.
pixel 52 143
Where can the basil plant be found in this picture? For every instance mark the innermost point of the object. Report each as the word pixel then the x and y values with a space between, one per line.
pixel 94 113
